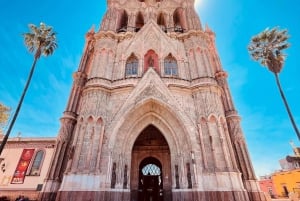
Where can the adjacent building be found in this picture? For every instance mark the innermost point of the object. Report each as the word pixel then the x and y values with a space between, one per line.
pixel 267 185
pixel 286 180
pixel 24 164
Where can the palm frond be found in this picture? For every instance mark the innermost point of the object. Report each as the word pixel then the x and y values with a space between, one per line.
pixel 40 40
pixel 267 46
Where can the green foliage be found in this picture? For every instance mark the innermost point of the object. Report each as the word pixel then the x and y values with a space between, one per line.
pixel 40 40
pixel 267 46
pixel 4 114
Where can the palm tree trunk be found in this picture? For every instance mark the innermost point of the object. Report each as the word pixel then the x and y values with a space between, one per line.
pixel 286 105
pixel 18 107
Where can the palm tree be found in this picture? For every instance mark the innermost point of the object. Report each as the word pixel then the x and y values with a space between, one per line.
pixel 266 48
pixel 40 41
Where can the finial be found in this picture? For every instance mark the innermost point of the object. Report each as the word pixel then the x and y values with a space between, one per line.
pixel 90 34
pixel 207 29
pixel 295 149
pixel 92 29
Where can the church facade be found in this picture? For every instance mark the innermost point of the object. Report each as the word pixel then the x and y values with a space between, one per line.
pixel 150 115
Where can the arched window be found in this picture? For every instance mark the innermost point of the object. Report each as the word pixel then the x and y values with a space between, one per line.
pixel 139 22
pixel 178 19
pixel 151 169
pixel 123 22
pixel 131 68
pixel 161 22
pixel 170 66
pixel 37 163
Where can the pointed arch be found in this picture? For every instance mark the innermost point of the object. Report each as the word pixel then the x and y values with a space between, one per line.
pixel 203 120
pixel 156 113
pixel 80 120
pixel 99 121
pixel 151 60
pixel 162 22
pixel 122 22
pixel 212 119
pixel 132 64
pixel 170 66
pixel 139 21
pixel 90 119
pixel 179 20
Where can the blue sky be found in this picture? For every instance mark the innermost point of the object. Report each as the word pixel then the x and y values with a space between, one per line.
pixel 264 119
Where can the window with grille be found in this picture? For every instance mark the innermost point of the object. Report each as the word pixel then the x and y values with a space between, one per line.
pixel 151 169
pixel 170 66
pixel 131 68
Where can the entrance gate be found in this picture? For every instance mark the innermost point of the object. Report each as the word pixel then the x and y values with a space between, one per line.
pixel 151 167
pixel 150 180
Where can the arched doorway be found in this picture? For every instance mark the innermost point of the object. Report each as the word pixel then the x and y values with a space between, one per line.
pixel 151 167
pixel 150 180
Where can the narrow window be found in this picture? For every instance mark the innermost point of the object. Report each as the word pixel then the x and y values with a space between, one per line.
pixel 131 67
pixel 139 22
pixel 123 21
pixel 125 177
pixel 178 20
pixel 37 163
pixel 113 175
pixel 170 66
pixel 161 22
pixel 189 175
pixel 177 176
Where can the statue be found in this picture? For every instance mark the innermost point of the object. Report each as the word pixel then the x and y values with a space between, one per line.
pixel 151 61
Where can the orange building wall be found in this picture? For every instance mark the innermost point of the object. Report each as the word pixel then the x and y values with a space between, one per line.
pixel 289 179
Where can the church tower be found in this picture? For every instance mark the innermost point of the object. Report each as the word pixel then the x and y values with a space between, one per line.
pixel 150 116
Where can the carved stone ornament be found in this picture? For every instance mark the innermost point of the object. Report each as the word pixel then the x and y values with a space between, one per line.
pixel 151 91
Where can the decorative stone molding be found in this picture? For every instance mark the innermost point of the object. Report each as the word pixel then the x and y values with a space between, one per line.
pixel 204 156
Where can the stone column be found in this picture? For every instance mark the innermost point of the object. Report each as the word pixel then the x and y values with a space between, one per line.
pixel 221 77
pixel 88 51
pixel 60 158
pixel 64 142
pixel 242 157
pixel 238 142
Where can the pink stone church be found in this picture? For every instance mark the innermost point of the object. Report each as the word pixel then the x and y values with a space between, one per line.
pixel 150 116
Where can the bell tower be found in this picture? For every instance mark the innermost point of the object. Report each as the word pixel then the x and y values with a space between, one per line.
pixel 150 115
